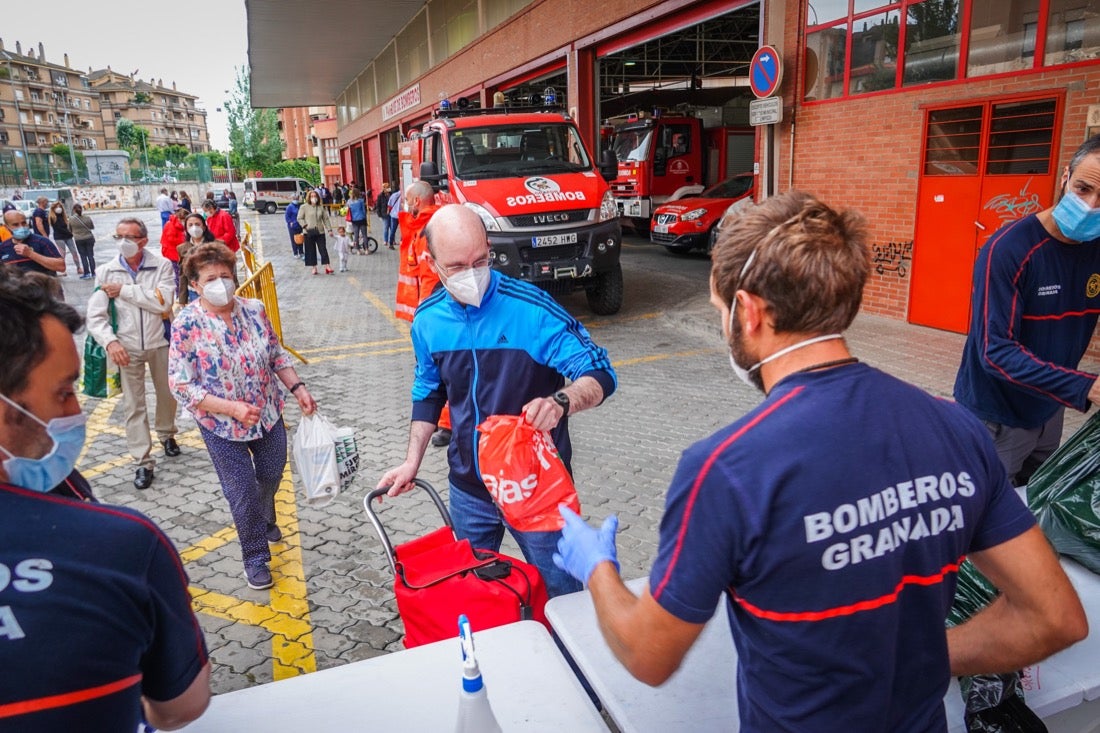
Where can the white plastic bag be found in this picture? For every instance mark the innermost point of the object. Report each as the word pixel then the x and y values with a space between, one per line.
pixel 314 451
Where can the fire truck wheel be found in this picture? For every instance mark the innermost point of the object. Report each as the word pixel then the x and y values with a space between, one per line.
pixel 605 296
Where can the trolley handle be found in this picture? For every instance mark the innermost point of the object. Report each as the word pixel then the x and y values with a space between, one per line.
pixel 374 519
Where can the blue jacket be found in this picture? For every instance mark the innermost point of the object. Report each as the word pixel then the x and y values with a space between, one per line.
pixel 1034 308
pixel 519 345
pixel 358 210
pixel 292 218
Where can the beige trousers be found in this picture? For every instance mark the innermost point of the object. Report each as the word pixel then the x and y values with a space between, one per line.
pixel 138 439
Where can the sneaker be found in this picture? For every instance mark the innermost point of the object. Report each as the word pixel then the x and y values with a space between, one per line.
pixel 441 437
pixel 273 533
pixel 258 576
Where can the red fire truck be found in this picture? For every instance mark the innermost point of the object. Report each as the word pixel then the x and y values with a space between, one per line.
pixel 545 202
pixel 662 158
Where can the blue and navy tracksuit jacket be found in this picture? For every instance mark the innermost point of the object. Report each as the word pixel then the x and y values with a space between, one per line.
pixel 492 360
pixel 1034 308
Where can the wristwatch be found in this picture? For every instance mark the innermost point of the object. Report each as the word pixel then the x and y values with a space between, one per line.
pixel 562 399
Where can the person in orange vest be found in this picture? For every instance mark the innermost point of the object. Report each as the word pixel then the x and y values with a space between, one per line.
pixel 415 278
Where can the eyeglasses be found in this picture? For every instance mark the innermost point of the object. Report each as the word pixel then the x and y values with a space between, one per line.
pixel 120 237
pixel 452 270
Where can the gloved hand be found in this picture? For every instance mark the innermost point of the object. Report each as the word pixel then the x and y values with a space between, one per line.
pixel 581 548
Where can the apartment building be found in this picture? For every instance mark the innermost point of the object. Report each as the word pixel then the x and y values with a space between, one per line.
pixel 43 104
pixel 171 116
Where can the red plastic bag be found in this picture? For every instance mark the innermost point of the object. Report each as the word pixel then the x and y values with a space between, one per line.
pixel 524 473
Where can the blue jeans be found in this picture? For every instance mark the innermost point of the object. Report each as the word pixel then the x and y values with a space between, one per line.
pixel 479 521
pixel 389 234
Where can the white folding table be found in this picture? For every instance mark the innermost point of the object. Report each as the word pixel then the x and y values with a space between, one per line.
pixel 701 696
pixel 530 686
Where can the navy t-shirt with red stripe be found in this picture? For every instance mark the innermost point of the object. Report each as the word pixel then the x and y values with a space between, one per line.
pixel 94 613
pixel 1034 309
pixel 834 517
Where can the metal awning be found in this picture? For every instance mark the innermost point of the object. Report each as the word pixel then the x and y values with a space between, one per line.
pixel 304 54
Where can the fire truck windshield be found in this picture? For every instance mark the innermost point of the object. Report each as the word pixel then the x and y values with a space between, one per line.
pixel 503 151
pixel 633 144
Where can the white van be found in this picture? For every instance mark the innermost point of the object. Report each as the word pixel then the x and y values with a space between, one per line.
pixel 64 195
pixel 268 195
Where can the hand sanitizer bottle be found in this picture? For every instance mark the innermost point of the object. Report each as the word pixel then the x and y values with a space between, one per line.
pixel 475 715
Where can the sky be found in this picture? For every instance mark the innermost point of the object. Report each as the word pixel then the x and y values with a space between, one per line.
pixel 197 44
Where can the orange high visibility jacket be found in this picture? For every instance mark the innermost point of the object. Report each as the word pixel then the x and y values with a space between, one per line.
pixel 414 272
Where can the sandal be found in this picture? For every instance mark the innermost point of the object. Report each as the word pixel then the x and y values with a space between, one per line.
pixel 328 271
pixel 314 272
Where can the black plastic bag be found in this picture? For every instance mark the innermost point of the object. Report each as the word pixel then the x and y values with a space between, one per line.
pixel 1064 495
pixel 994 702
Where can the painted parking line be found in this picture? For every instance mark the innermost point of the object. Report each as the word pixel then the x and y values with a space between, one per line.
pixel 286 614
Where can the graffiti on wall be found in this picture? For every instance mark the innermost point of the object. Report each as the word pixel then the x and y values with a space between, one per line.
pixel 1010 207
pixel 892 257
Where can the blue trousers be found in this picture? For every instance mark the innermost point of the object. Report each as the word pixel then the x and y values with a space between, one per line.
pixel 479 521
pixel 250 473
pixel 389 233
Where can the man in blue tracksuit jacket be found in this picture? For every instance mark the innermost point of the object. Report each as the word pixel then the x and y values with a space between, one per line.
pixel 493 345
pixel 1035 302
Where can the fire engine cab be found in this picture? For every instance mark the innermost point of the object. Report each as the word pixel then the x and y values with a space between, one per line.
pixel 546 205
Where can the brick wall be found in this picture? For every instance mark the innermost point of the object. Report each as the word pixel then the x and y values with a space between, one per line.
pixel 864 153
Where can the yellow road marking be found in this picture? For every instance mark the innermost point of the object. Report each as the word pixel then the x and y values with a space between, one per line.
pixel 401 326
pixel 189 438
pixel 206 545
pixel 292 643
pixel 361 345
pixel 376 352
pixel 286 615
pixel 97 421
pixel 660 357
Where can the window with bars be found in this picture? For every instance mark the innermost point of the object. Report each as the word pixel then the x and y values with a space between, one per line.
pixel 1019 139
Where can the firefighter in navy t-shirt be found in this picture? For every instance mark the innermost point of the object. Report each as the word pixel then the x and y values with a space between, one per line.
pixel 1035 302
pixel 96 627
pixel 833 516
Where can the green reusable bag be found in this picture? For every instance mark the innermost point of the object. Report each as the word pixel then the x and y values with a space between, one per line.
pixel 101 377
pixel 1064 495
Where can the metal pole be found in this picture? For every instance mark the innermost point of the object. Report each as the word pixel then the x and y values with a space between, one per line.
pixel 69 135
pixel 146 152
pixel 229 173
pixel 19 119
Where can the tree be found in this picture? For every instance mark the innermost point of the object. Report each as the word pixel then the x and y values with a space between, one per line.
pixel 61 152
pixel 134 138
pixel 253 133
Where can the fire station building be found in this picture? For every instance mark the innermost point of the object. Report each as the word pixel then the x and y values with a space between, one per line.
pixel 937 119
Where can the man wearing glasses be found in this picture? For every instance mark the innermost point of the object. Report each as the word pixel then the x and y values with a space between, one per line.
pixel 27 250
pixel 138 283
pixel 492 345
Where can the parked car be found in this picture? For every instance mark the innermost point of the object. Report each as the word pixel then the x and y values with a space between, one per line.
pixel 692 223
pixel 24 205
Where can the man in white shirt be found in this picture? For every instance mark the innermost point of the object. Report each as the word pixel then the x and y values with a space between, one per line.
pixel 164 206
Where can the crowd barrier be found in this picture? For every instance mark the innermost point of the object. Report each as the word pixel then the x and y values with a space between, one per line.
pixel 260 284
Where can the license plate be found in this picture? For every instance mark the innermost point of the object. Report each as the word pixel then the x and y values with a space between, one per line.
pixel 551 240
pixel 660 228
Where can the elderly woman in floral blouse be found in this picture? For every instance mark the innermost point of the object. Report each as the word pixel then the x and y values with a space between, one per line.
pixel 225 364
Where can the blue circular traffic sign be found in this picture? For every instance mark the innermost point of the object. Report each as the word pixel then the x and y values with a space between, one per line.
pixel 765 72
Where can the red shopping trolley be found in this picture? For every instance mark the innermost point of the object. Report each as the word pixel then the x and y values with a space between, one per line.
pixel 437 577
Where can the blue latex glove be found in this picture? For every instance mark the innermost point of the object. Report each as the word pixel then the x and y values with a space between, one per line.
pixel 581 548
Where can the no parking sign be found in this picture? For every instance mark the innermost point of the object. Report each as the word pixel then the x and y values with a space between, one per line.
pixel 765 72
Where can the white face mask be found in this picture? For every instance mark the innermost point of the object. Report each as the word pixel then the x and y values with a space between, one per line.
pixel 128 248
pixel 218 292
pixel 469 286
pixel 58 210
pixel 195 231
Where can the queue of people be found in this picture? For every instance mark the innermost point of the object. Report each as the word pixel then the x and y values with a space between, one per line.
pixel 835 575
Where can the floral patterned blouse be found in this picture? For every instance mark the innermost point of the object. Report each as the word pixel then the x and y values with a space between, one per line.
pixel 238 362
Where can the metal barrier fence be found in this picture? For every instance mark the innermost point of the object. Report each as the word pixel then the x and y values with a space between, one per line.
pixel 261 286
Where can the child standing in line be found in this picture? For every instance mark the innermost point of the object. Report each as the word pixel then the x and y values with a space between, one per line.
pixel 340 242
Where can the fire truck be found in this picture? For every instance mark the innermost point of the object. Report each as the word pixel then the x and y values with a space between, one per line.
pixel 662 158
pixel 545 202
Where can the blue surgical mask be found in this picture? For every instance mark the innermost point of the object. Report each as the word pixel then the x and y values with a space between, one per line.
pixel 21 232
pixel 43 474
pixel 1075 219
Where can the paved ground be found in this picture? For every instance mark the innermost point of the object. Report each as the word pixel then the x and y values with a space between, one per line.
pixel 332 602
